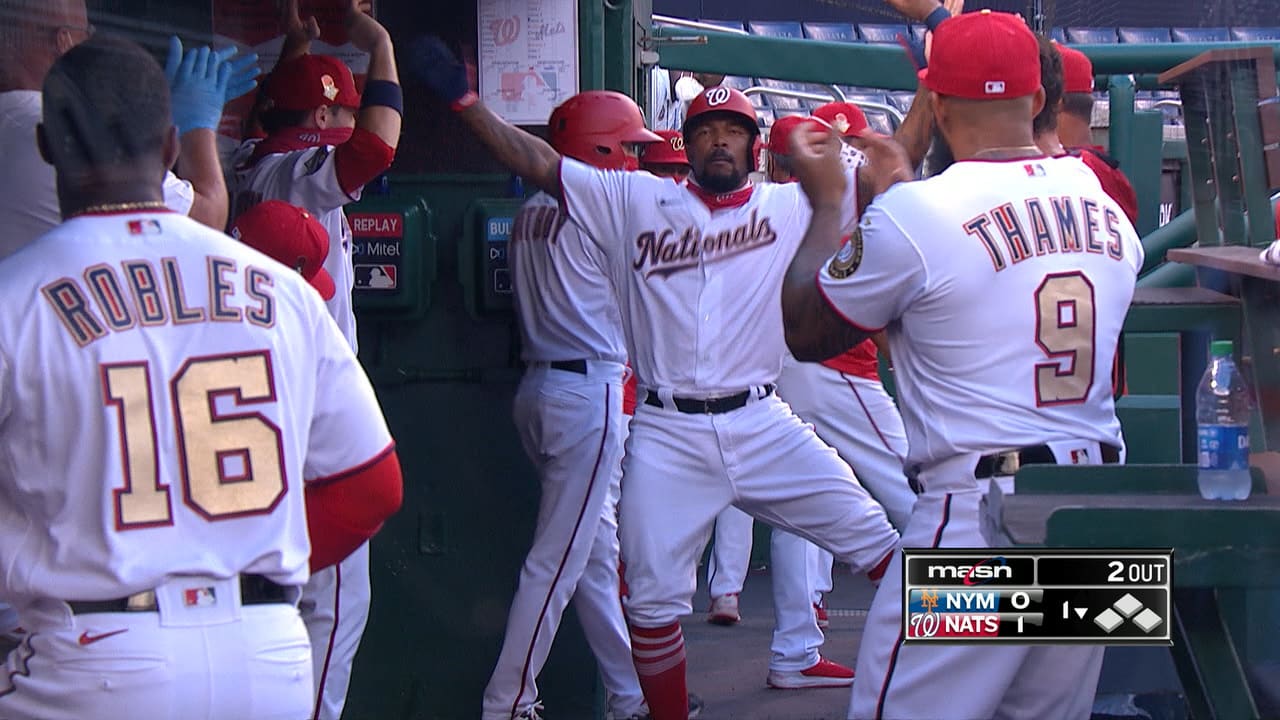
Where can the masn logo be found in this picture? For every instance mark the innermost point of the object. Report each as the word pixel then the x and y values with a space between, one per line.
pixel 996 568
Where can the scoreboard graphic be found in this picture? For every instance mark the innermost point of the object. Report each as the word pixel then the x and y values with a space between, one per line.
pixel 1037 596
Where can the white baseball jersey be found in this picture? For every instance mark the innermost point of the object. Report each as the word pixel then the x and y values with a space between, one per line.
pixel 1003 310
pixel 699 288
pixel 308 178
pixel 563 295
pixel 28 194
pixel 164 396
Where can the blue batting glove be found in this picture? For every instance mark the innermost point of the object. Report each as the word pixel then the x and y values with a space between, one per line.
pixel 431 61
pixel 244 71
pixel 197 87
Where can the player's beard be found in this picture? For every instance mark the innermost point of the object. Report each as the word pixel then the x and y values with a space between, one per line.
pixel 723 181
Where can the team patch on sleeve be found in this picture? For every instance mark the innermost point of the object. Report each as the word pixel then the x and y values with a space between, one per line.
pixel 849 258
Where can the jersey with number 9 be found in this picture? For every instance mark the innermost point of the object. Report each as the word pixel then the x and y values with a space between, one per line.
pixel 165 393
pixel 1004 286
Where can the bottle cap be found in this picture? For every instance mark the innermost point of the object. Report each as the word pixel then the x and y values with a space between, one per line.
pixel 1220 348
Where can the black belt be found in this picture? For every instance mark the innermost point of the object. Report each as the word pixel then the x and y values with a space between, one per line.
pixel 1007 463
pixel 708 406
pixel 576 366
pixel 254 590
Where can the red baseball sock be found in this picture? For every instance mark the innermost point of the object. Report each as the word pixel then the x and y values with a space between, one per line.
pixel 659 657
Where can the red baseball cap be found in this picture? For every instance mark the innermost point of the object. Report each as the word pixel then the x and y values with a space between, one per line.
pixel 309 81
pixel 290 235
pixel 668 152
pixel 1077 70
pixel 780 133
pixel 845 117
pixel 983 56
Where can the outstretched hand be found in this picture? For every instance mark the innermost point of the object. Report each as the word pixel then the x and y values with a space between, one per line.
pixel 363 31
pixel 244 71
pixel 432 62
pixel 198 81
pixel 815 160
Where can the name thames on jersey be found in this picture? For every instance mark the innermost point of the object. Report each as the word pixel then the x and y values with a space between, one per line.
pixel 101 303
pixel 1077 225
pixel 661 254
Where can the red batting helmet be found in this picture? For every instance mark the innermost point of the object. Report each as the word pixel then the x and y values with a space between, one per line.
pixel 721 99
pixel 592 126
pixel 668 152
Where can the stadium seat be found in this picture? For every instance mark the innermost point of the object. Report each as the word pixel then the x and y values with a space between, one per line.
pixel 1199 35
pixel 1254 34
pixel 780 29
pixel 764 117
pixel 1058 34
pixel 738 82
pixel 726 24
pixel 1143 35
pixel 831 32
pixel 918 32
pixel 1091 35
pixel 784 103
pixel 902 100
pixel 878 33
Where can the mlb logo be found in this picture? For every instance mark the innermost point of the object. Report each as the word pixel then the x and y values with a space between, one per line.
pixel 995 87
pixel 199 597
pixel 1080 457
pixel 144 227
pixel 1034 170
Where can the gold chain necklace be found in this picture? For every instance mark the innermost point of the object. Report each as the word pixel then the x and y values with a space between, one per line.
pixel 120 207
pixel 1013 151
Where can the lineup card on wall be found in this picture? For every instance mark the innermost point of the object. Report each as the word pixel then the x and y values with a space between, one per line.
pixel 528 57
pixel 1042 596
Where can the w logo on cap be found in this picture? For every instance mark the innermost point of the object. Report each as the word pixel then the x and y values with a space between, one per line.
pixel 677 143
pixel 718 95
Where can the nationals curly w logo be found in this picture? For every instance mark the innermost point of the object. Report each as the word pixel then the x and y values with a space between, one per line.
pixel 677 143
pixel 718 95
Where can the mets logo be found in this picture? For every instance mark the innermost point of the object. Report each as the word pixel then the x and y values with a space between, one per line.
pixel 718 95
pixel 677 143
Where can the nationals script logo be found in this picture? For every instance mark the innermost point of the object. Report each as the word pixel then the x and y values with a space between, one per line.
pixel 677 143
pixel 717 95
pixel 662 253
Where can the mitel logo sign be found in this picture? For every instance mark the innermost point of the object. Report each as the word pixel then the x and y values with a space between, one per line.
pixel 969 571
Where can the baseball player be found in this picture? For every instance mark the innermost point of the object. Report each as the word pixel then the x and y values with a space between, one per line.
pixel 324 143
pixel 164 402
pixel 34 33
pixel 666 158
pixel 946 265
pixel 697 269
pixel 843 396
pixel 568 411
pixel 1069 125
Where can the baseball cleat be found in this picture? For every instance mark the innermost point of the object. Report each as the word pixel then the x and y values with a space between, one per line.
pixel 824 674
pixel 724 610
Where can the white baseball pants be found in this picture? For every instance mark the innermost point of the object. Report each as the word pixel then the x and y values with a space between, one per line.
pixel 730 552
pixel 250 662
pixel 860 420
pixel 681 470
pixel 335 609
pixel 573 429
pixel 961 682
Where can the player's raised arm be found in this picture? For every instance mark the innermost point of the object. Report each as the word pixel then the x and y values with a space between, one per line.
pixel 382 102
pixel 813 330
pixel 526 155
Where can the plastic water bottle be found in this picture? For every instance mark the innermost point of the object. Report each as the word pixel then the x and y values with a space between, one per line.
pixel 1222 422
